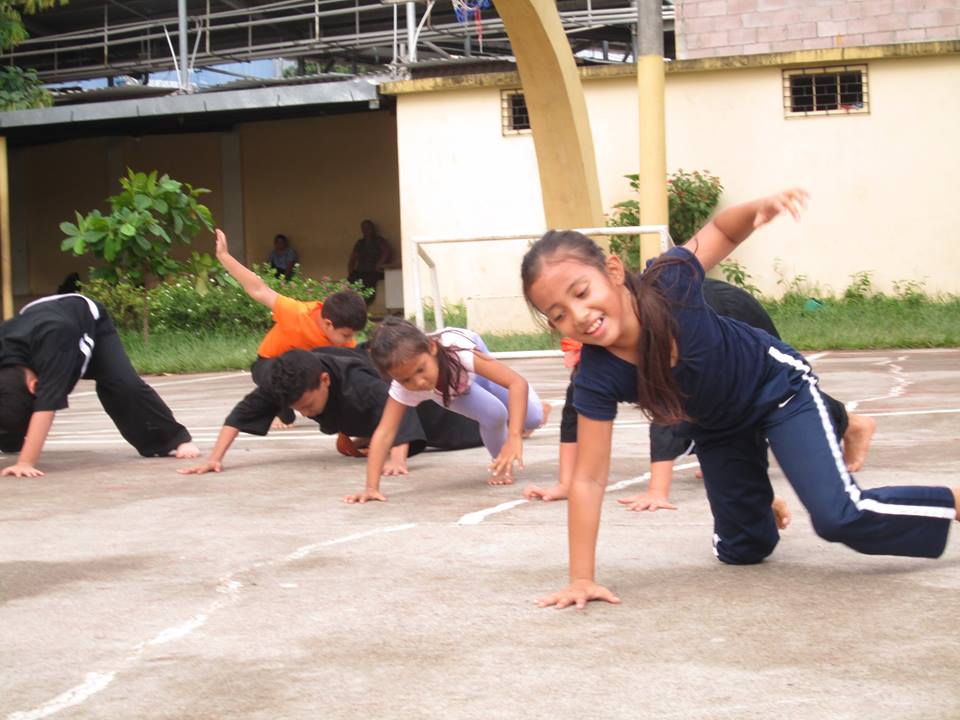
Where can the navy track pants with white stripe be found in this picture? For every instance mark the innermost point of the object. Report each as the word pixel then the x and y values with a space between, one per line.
pixel 904 520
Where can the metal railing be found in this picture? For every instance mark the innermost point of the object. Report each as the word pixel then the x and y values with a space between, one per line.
pixel 419 244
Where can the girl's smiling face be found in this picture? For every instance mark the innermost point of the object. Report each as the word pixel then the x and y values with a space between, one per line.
pixel 419 372
pixel 583 303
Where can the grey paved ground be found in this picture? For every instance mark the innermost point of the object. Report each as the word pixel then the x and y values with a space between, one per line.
pixel 128 591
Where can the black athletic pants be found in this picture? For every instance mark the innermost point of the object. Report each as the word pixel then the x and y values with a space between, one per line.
pixel 136 409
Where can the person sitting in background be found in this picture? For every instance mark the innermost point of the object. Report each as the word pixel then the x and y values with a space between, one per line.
pixel 284 258
pixel 370 255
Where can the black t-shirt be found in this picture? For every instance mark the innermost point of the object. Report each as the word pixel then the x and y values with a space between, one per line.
pixel 726 370
pixel 54 337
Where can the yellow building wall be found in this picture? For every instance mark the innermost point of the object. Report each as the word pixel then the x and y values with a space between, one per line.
pixel 311 179
pixel 883 184
pixel 53 181
pixel 314 180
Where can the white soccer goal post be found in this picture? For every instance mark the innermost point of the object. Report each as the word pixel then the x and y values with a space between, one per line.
pixel 420 243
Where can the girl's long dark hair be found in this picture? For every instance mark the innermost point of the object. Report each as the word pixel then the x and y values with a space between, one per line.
pixel 658 394
pixel 396 341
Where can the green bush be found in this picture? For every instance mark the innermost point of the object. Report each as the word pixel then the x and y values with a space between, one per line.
pixel 691 197
pixel 206 299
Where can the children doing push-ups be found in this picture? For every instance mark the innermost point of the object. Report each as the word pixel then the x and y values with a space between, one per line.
pixel 653 341
pixel 451 368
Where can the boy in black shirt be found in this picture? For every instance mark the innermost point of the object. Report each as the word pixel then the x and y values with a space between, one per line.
pixel 340 390
pixel 44 351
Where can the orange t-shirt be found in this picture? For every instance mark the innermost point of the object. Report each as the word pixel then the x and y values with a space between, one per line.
pixel 296 326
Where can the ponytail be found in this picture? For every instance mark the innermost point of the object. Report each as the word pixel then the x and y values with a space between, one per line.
pixel 658 394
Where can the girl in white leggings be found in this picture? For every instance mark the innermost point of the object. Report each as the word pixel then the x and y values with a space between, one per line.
pixel 452 368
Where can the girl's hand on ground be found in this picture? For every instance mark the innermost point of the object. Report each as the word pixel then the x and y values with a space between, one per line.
pixel 391 467
pixel 210 466
pixel 793 201
pixel 362 497
pixel 21 470
pixel 502 467
pixel 646 501
pixel 578 593
pixel 535 492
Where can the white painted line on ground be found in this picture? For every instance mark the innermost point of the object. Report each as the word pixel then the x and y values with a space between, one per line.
pixel 180 631
pixel 817 356
pixel 301 553
pixel 92 684
pixel 479 516
pixel 947 411
pixel 646 476
pixel 207 378
pixel 95 682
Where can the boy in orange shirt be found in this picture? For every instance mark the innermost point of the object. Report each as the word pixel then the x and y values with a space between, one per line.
pixel 298 324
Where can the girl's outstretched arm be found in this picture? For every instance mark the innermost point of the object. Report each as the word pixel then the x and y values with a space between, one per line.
pixel 730 227
pixel 583 515
pixel 518 393
pixel 380 444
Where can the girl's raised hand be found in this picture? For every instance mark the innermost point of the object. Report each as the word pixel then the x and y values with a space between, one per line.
pixel 221 243
pixel 793 201
pixel 578 593
pixel 501 468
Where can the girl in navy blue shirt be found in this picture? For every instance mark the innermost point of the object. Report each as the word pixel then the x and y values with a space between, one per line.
pixel 653 341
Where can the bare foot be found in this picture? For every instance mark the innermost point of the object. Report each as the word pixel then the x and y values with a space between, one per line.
pixel 187 450
pixel 279 424
pixel 856 440
pixel 956 501
pixel 535 492
pixel 781 512
pixel 547 407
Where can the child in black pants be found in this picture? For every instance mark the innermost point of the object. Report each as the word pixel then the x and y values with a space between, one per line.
pixel 44 351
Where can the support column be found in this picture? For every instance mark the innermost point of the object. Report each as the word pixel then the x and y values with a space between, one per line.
pixel 653 133
pixel 6 247
pixel 231 174
pixel 558 113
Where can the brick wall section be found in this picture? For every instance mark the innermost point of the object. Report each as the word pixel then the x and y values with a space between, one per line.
pixel 713 28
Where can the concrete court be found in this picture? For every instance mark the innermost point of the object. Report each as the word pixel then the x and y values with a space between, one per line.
pixel 128 591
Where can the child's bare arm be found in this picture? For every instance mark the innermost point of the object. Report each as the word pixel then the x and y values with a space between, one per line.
pixel 730 227
pixel 214 462
pixel 658 491
pixel 518 394
pixel 251 283
pixel 594 439
pixel 380 444
pixel 37 431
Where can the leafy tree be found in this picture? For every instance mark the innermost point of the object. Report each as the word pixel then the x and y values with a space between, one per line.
pixel 135 238
pixel 21 89
pixel 691 197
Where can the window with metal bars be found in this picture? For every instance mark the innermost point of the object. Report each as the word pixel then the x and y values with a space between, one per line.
pixel 513 113
pixel 825 91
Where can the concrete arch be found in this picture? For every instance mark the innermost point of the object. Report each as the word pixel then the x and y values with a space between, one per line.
pixel 558 113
